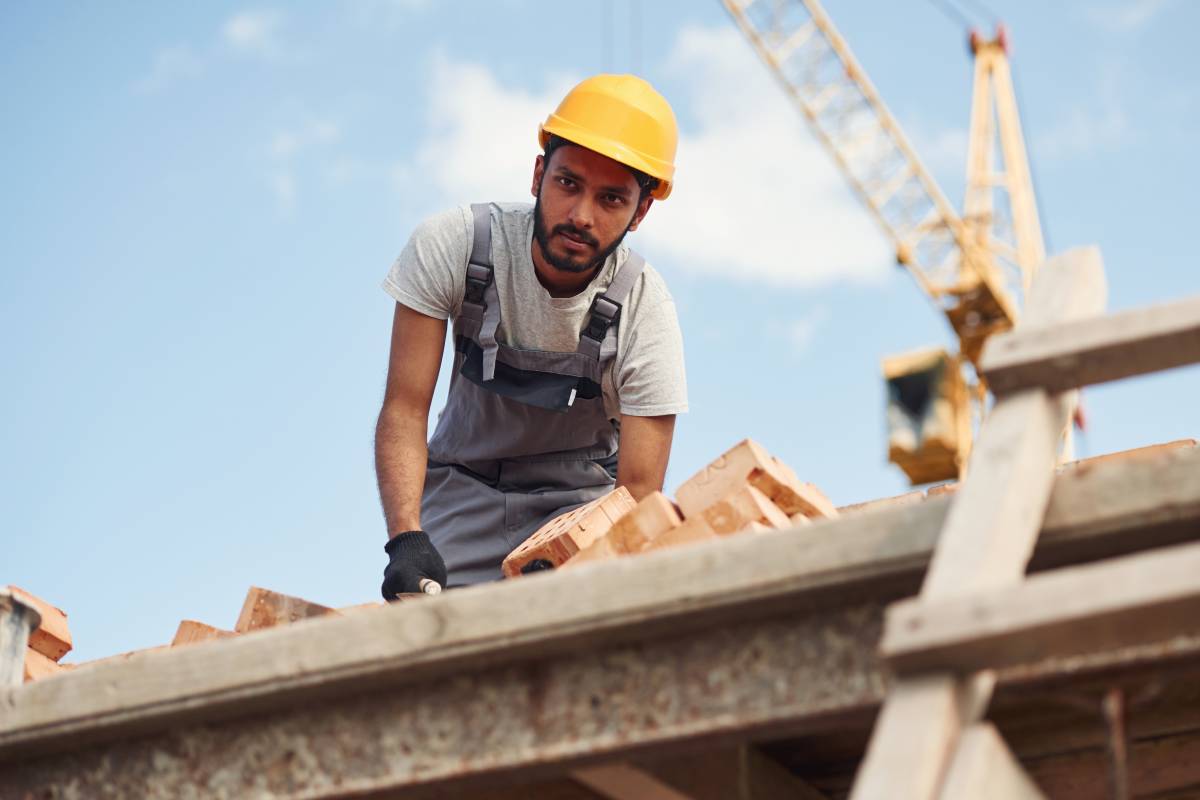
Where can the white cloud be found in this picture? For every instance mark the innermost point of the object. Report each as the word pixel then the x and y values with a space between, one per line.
pixel 254 33
pixel 171 64
pixel 482 138
pixel 756 199
pixel 1128 16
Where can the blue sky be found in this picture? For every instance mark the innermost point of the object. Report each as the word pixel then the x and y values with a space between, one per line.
pixel 200 201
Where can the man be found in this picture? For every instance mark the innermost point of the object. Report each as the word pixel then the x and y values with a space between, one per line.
pixel 566 346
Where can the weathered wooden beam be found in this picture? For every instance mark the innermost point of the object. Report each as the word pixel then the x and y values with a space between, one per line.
pixel 1098 512
pixel 1085 352
pixel 1116 603
pixel 568 669
pixel 988 538
pixel 509 721
pixel 627 782
pixel 739 773
pixel 983 768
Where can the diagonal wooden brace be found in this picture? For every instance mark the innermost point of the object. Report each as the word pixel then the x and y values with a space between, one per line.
pixel 987 540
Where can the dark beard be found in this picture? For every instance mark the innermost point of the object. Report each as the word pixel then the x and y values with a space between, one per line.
pixel 566 263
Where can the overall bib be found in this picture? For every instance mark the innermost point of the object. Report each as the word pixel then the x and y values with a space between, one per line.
pixel 524 435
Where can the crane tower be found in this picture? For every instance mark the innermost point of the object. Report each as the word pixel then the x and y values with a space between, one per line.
pixel 974 267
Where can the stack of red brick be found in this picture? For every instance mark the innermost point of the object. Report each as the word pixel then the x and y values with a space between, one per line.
pixel 744 491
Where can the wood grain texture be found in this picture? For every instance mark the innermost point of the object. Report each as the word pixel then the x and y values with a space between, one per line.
pixel 984 768
pixel 1114 603
pixel 1090 351
pixel 987 540
pixel 642 653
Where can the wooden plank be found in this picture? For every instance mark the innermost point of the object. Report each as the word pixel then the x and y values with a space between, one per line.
pixel 1084 352
pixel 593 700
pixel 626 782
pixel 988 537
pixel 1148 452
pixel 1115 603
pixel 749 462
pixel 730 773
pixel 883 502
pixel 191 632
pixel 984 768
pixel 264 608
pixel 1161 768
pixel 1112 504
pixel 565 535
pixel 117 658
pixel 582 668
pixel 52 637
pixel 995 519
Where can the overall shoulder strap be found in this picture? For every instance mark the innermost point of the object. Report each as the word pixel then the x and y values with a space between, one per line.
pixel 606 307
pixel 480 299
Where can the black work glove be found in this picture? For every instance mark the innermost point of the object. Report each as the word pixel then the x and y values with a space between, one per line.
pixel 413 557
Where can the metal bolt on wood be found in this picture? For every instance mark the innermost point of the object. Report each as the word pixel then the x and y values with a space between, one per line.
pixel 17 620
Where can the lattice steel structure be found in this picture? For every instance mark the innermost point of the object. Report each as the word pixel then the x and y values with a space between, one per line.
pixel 957 268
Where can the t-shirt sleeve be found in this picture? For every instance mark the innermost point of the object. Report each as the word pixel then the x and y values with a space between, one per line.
pixel 650 377
pixel 429 274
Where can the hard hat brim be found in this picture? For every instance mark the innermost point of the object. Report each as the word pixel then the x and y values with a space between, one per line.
pixel 615 150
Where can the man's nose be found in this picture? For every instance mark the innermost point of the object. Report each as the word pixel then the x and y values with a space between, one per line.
pixel 581 215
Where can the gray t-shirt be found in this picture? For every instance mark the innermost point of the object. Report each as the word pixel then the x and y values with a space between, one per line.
pixel 646 378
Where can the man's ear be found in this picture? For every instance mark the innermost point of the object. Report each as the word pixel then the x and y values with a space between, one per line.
pixel 640 214
pixel 539 168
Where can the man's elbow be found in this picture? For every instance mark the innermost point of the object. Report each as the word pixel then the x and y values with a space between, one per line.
pixel 640 487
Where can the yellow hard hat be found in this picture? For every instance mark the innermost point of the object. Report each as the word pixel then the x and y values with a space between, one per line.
pixel 622 117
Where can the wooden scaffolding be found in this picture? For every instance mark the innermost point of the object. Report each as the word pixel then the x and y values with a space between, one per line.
pixel 1036 633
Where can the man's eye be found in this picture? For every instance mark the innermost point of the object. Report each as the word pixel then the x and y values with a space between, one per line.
pixel 614 199
pixel 567 182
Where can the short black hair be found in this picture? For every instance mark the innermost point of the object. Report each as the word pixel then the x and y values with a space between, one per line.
pixel 647 183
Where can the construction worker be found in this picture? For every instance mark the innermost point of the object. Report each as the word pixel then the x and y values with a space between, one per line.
pixel 566 345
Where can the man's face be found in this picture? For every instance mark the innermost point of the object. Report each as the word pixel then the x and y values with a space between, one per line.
pixel 586 203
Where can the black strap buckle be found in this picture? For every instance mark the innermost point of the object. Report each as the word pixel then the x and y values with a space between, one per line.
pixel 601 316
pixel 479 278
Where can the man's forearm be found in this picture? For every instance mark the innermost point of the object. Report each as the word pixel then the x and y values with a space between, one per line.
pixel 400 454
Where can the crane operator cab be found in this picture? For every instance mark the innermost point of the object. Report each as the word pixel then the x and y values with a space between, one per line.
pixel 928 415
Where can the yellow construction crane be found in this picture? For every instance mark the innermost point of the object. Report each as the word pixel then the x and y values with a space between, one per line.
pixel 975 267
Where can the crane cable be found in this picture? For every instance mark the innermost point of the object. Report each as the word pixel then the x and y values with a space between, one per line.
pixel 952 13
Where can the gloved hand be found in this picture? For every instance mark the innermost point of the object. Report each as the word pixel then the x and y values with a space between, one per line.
pixel 413 557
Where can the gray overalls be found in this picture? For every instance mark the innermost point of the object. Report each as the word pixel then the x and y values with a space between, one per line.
pixel 524 435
